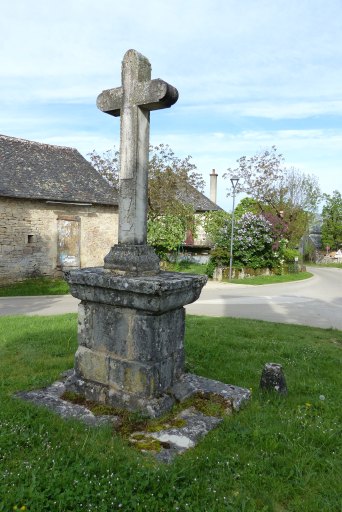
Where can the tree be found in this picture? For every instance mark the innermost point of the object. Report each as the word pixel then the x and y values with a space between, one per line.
pixel 170 179
pixel 246 205
pixel 332 221
pixel 217 225
pixel 253 242
pixel 170 211
pixel 165 233
pixel 107 165
pixel 286 193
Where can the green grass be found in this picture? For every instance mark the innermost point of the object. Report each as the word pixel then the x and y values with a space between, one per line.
pixel 332 265
pixel 35 286
pixel 185 266
pixel 278 454
pixel 259 280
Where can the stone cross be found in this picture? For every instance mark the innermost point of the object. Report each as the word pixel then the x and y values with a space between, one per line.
pixel 131 327
pixel 133 101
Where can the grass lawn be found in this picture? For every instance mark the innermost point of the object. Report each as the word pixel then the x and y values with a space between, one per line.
pixel 48 286
pixel 278 454
pixel 332 265
pixel 35 286
pixel 185 266
pixel 259 280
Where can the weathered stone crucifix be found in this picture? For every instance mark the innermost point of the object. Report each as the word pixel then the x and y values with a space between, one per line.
pixel 131 316
pixel 133 102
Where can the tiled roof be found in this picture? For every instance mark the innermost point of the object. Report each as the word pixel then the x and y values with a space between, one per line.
pixel 33 170
pixel 201 203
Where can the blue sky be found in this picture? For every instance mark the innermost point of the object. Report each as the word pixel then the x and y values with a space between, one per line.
pixel 250 74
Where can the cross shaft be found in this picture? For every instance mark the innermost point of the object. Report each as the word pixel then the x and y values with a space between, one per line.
pixel 133 101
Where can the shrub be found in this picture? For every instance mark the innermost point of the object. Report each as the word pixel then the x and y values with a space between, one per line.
pixel 253 242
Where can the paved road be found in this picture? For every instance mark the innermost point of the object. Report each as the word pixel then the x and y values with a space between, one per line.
pixel 316 301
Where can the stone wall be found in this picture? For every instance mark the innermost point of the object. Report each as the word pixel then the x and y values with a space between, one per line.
pixel 29 236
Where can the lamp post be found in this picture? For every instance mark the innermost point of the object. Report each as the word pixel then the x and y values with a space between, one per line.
pixel 234 182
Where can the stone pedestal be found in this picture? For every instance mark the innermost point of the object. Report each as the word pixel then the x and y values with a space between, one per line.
pixel 131 336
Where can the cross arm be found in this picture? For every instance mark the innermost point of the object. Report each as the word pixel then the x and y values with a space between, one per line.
pixel 153 95
pixel 156 94
pixel 110 101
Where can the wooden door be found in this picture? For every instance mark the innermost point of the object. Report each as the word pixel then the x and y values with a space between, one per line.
pixel 68 244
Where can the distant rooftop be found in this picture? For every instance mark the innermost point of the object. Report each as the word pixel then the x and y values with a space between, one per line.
pixel 33 170
pixel 201 203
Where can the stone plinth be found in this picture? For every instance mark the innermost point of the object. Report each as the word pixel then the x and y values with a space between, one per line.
pixel 131 336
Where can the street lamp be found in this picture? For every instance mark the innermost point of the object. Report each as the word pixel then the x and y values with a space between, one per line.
pixel 234 182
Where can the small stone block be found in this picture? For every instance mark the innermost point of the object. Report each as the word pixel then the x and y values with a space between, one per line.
pixel 273 379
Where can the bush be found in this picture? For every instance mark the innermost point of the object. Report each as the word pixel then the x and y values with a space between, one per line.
pixel 253 242
pixel 290 255
pixel 210 268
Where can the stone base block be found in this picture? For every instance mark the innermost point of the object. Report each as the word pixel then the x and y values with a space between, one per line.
pixel 131 332
pixel 154 294
pixel 134 377
pixel 132 260
pixel 152 407
pixel 187 386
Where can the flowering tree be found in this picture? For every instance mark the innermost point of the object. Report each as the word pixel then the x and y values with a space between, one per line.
pixel 254 242
pixel 286 193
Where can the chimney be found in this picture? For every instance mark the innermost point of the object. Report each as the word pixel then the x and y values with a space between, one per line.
pixel 213 186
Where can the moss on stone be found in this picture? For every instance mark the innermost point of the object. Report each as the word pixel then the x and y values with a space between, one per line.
pixel 145 443
pixel 210 404
pixel 165 424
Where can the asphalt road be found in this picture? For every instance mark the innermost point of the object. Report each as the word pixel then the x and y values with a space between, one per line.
pixel 316 301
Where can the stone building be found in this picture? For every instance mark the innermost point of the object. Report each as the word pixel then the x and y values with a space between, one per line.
pixel 56 211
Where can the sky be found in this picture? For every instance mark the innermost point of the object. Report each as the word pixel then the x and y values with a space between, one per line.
pixel 250 74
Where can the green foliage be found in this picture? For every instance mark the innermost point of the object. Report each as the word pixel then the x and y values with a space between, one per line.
pixel 276 454
pixel 332 221
pixel 258 241
pixel 170 191
pixel 290 255
pixel 170 182
pixel 217 225
pixel 184 265
pixel 210 268
pixel 246 205
pixel 165 233
pixel 309 251
pixel 220 256
pixel 253 242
